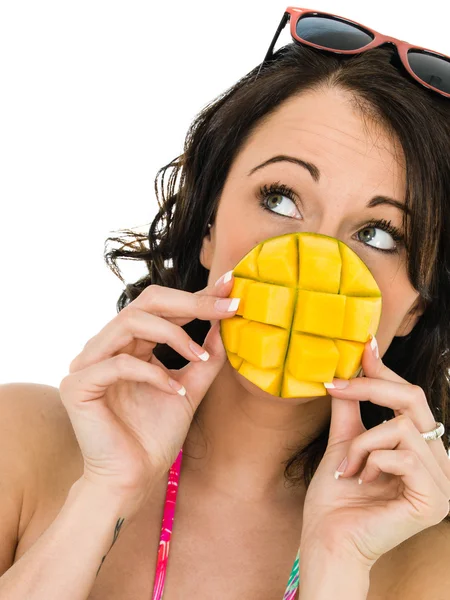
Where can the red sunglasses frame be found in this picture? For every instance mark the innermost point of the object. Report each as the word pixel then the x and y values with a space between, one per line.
pixel 293 14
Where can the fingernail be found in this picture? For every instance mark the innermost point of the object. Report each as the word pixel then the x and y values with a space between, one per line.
pixel 199 351
pixel 177 386
pixel 341 468
pixel 338 384
pixel 227 304
pixel 374 346
pixel 225 278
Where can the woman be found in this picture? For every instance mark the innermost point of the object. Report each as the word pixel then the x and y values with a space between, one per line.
pixel 350 145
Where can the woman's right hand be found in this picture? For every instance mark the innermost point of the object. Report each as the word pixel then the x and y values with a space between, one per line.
pixel 129 422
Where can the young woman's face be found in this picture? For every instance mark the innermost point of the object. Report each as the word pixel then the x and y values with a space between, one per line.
pixel 354 161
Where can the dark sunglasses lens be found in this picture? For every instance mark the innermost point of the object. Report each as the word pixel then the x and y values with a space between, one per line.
pixel 331 33
pixel 432 69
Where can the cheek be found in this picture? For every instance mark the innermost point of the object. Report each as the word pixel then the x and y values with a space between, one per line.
pixel 398 296
pixel 238 230
pixel 232 242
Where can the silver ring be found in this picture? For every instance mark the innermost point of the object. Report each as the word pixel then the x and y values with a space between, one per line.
pixel 434 434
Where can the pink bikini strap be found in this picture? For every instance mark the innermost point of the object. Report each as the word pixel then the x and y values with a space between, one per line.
pixel 166 533
pixel 166 529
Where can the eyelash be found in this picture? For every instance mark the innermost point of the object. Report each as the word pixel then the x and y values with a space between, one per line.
pixel 284 190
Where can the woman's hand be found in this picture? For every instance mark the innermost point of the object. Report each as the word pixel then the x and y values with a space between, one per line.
pixel 406 480
pixel 129 422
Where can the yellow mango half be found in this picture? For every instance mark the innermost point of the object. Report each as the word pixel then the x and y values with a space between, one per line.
pixel 308 305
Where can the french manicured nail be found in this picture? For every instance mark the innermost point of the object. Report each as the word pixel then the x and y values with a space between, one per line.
pixel 227 304
pixel 177 387
pixel 341 468
pixel 225 278
pixel 199 351
pixel 374 346
pixel 338 384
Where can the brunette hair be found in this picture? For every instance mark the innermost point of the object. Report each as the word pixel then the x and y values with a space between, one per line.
pixel 381 90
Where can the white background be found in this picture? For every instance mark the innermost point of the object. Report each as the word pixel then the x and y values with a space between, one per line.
pixel 95 97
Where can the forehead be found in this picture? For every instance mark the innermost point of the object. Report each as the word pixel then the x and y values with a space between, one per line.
pixel 324 127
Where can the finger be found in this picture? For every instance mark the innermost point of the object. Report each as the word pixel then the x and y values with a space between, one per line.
pixel 397 433
pixel 405 399
pixel 346 422
pixel 165 302
pixel 91 383
pixel 153 300
pixel 425 497
pixel 137 323
pixel 180 307
pixel 198 377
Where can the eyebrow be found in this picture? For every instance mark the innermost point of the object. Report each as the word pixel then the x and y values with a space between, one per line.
pixel 315 174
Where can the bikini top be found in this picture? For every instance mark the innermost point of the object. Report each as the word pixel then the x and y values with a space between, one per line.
pixel 166 533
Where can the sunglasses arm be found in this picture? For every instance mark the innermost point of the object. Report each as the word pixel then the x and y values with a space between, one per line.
pixel 281 26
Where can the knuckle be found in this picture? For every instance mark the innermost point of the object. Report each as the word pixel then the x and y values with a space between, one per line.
pixel 73 366
pixel 204 301
pixel 122 361
pixel 410 459
pixel 420 395
pixel 372 459
pixel 78 362
pixel 405 424
pixel 64 383
pixel 152 291
pixel 356 446
pixel 89 342
pixel 128 316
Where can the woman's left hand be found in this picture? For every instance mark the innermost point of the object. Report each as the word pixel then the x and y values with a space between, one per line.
pixel 406 480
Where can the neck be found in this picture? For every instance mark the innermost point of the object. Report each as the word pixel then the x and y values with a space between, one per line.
pixel 249 434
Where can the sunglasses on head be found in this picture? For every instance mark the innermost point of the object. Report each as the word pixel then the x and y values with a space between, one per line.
pixel 326 31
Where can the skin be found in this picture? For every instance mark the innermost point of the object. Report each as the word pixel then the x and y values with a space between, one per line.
pixel 250 432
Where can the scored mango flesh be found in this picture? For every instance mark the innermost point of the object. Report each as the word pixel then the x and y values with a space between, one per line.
pixel 308 305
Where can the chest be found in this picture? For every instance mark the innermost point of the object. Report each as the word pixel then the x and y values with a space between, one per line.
pixel 200 569
pixel 216 551
pixel 221 550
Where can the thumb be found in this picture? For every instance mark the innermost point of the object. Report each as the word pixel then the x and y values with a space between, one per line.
pixel 198 376
pixel 346 423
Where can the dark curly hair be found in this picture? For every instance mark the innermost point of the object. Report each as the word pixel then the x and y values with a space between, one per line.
pixel 381 89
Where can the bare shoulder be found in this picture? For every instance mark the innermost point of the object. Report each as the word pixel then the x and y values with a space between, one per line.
pixel 38 420
pixel 39 441
pixel 418 568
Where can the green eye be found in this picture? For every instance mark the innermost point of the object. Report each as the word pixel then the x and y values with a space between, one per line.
pixel 369 235
pixel 271 198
